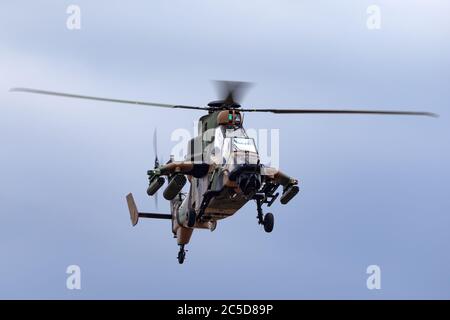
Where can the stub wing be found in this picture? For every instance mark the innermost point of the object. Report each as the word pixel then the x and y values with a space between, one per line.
pixel 189 168
pixel 176 172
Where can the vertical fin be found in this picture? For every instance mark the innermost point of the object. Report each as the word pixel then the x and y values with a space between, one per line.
pixel 134 214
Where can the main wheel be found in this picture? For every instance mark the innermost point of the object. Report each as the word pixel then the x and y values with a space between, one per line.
pixel 268 222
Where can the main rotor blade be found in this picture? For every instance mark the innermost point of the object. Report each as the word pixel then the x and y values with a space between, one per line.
pixel 332 111
pixel 77 96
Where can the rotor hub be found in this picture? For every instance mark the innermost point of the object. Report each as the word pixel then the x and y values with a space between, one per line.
pixel 222 104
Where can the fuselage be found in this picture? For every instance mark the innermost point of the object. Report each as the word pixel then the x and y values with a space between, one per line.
pixel 223 144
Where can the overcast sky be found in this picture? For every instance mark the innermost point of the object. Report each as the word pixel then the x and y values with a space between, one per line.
pixel 374 190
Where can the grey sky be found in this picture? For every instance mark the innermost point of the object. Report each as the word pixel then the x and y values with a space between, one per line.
pixel 374 190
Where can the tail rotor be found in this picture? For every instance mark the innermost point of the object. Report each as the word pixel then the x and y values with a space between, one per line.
pixel 155 151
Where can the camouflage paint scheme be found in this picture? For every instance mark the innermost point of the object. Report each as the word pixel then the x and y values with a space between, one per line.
pixel 226 196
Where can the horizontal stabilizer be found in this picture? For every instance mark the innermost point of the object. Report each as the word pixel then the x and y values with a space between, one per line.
pixel 135 214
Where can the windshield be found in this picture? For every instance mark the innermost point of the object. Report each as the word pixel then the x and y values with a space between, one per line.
pixel 233 148
pixel 244 144
pixel 239 132
pixel 239 150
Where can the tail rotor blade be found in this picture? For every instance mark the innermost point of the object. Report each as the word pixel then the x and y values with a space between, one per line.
pixel 155 151
pixel 155 197
pixel 155 147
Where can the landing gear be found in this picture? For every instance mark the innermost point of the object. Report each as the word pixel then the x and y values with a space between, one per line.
pixel 266 220
pixel 181 254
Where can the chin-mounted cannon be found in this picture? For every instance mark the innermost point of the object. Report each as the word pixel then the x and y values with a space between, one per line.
pixel 247 177
pixel 249 182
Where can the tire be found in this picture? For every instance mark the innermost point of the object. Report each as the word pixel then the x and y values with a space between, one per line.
pixel 268 222
pixel 181 256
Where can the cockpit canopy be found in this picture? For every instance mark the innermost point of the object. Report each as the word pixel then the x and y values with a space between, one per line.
pixel 223 145
pixel 233 147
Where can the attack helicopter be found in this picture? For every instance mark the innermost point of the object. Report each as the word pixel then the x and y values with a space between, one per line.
pixel 222 165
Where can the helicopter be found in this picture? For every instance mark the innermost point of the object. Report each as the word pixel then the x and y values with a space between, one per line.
pixel 222 165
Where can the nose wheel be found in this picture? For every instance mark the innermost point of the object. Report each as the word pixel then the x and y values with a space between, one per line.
pixel 181 254
pixel 266 220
